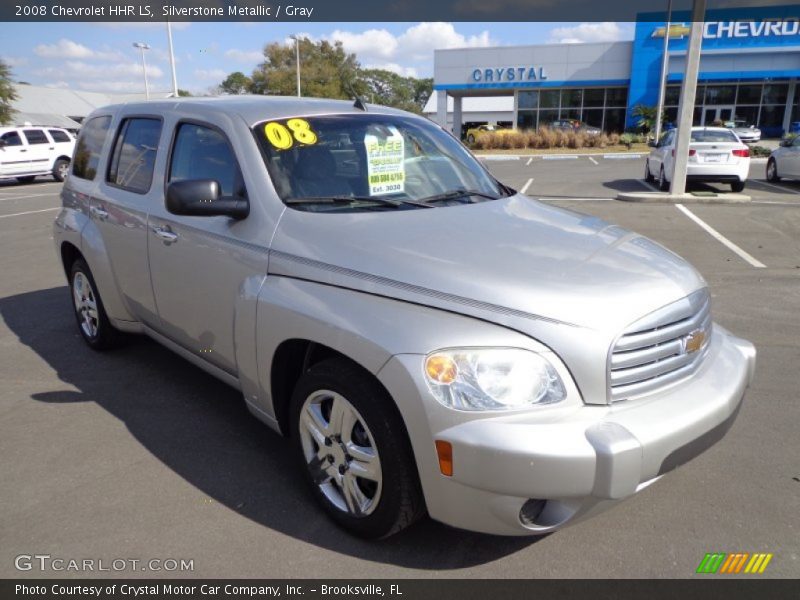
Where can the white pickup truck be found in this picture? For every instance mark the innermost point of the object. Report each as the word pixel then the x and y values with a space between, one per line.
pixel 26 152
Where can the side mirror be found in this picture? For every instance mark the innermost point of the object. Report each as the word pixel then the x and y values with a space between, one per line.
pixel 201 198
pixel 652 144
pixel 786 142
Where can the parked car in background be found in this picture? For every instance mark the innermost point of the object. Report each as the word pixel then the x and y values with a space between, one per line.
pixel 784 161
pixel 716 155
pixel 574 125
pixel 429 339
pixel 26 152
pixel 747 132
pixel 474 132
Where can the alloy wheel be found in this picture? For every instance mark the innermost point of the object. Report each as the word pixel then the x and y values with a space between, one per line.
pixel 340 453
pixel 85 304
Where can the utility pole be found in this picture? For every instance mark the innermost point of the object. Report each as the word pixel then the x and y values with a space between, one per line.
pixel 662 84
pixel 686 107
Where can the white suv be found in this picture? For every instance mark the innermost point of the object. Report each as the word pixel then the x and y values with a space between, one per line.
pixel 26 152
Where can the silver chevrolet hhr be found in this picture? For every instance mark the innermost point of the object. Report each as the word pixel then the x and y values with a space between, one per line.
pixel 429 339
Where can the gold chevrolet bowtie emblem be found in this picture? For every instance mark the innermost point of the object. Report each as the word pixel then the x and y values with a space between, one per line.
pixel 677 30
pixel 694 341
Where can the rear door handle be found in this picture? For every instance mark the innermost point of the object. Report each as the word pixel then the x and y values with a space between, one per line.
pixel 166 234
pixel 99 212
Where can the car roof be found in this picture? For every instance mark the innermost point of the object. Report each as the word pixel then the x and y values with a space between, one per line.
pixel 253 109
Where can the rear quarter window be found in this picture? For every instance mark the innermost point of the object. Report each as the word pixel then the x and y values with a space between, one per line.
pixel 58 136
pixel 89 146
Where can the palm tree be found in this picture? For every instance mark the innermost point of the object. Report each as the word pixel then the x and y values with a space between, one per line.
pixel 646 116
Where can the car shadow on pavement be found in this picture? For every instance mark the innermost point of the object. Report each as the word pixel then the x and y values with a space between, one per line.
pixel 199 427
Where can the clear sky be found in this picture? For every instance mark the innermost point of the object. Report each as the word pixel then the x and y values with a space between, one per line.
pixel 100 57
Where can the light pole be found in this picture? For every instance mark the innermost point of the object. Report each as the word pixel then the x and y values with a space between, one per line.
pixel 297 54
pixel 142 47
pixel 172 60
pixel 662 84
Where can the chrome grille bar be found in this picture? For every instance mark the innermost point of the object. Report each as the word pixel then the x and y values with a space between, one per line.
pixel 660 348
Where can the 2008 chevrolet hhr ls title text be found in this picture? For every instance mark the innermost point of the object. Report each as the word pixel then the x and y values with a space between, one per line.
pixel 429 339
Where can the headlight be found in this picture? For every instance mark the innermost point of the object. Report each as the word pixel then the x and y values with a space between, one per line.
pixel 492 378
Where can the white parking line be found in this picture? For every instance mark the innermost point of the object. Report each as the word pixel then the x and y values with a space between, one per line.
pixel 772 185
pixel 30 212
pixel 593 160
pixel 721 238
pixel 560 157
pixel 526 186
pixel 3 198
pixel 622 156
pixel 529 161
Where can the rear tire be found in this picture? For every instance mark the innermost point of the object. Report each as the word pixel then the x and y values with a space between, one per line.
pixel 648 176
pixel 93 323
pixel 352 446
pixel 663 184
pixel 60 169
pixel 737 186
pixel 26 179
pixel 772 171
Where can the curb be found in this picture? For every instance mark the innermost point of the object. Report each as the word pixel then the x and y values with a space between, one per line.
pixel 665 198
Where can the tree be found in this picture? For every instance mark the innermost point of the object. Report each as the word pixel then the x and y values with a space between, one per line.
pixel 183 93
pixel 390 89
pixel 646 117
pixel 7 94
pixel 326 70
pixel 236 83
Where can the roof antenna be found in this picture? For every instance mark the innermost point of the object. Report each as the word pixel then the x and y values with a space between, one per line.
pixel 359 103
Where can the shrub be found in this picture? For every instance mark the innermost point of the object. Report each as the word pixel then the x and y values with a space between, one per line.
pixel 613 138
pixel 628 139
pixel 759 151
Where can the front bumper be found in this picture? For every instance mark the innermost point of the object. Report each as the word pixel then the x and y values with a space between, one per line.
pixel 527 475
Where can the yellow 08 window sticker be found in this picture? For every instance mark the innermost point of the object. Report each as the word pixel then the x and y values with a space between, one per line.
pixel 283 137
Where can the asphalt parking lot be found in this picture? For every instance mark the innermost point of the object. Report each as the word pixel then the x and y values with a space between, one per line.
pixel 138 454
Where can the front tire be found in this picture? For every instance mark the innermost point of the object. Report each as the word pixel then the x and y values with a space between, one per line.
pixel 737 186
pixel 60 169
pixel 354 451
pixel 93 323
pixel 772 171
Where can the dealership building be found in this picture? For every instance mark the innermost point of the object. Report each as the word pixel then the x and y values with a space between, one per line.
pixel 749 70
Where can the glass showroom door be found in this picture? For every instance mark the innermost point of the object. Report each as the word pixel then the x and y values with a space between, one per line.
pixel 716 113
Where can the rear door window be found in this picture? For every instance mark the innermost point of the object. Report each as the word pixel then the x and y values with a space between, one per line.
pixel 134 156
pixel 87 150
pixel 36 136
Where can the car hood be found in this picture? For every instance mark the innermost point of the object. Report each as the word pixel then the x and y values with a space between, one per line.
pixel 514 256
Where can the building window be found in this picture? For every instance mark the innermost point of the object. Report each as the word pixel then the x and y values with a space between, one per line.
pixel 615 120
pixel 594 97
pixel 526 119
pixel 617 97
pixel 720 94
pixel 571 99
pixel 528 100
pixel 549 98
pixel 749 94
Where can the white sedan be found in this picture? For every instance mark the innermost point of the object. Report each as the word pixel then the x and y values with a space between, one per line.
pixel 716 154
pixel 785 160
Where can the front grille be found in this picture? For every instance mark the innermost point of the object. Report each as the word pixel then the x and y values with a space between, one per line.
pixel 660 349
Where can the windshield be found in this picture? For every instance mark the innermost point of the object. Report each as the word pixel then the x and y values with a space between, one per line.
pixel 346 163
pixel 713 135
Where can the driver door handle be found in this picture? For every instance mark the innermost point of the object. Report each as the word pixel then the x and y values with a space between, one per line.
pixel 98 212
pixel 166 234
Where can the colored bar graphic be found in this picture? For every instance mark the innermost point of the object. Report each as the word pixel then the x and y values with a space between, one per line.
pixel 728 564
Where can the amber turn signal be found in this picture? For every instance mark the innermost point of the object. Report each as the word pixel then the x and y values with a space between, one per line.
pixel 445 452
pixel 441 368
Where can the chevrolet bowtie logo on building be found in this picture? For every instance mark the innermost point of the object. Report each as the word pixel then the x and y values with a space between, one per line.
pixel 694 341
pixel 678 30
pixel 721 563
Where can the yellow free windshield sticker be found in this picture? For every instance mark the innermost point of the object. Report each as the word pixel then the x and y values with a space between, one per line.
pixel 385 163
pixel 284 137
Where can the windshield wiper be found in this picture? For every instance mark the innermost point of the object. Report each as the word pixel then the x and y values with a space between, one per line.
pixel 348 199
pixel 456 194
